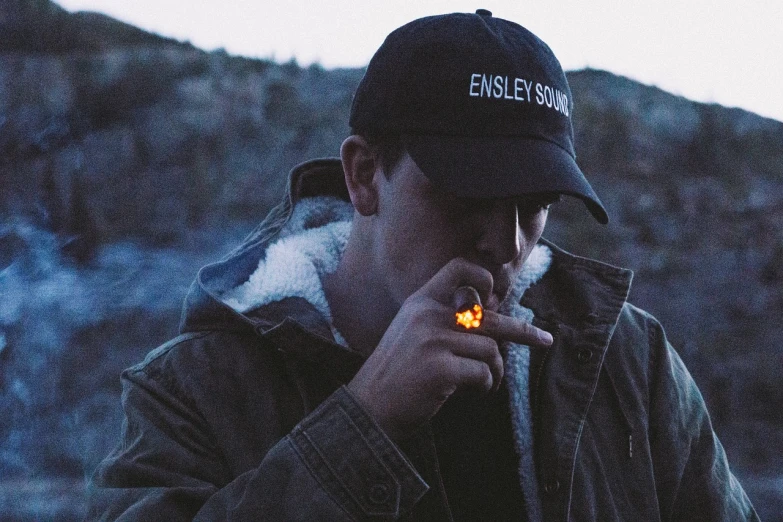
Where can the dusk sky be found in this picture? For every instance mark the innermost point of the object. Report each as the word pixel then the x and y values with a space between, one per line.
pixel 714 51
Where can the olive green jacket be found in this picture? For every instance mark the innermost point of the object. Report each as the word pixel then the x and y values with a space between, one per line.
pixel 245 416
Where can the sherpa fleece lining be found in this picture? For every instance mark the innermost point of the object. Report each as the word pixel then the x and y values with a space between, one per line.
pixel 296 261
pixel 310 246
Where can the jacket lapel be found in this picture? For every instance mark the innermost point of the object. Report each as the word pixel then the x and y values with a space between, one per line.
pixel 579 301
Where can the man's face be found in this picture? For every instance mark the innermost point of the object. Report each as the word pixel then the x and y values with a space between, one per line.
pixel 418 229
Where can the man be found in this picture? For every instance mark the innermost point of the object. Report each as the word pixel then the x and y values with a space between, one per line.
pixel 321 373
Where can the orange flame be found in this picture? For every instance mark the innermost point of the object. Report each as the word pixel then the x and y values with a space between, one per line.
pixel 471 318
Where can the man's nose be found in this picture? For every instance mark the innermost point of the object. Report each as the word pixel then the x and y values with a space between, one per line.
pixel 499 240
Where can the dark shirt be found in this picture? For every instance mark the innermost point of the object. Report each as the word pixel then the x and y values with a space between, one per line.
pixel 477 458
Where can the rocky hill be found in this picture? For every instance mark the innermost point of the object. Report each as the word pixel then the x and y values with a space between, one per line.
pixel 41 26
pixel 127 160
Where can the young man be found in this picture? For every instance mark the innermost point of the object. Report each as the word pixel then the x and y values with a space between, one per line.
pixel 322 375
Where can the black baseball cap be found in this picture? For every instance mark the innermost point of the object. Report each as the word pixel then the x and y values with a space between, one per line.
pixel 482 103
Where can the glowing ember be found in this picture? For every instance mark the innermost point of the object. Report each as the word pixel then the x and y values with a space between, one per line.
pixel 471 318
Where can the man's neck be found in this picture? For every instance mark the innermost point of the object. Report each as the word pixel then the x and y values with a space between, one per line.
pixel 361 309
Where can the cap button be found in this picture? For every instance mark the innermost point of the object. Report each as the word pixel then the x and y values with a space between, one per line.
pixel 483 12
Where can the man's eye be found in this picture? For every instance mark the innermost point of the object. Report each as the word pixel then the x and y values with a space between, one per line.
pixel 529 209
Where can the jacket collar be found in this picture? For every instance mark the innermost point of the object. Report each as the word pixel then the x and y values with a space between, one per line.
pixel 579 292
pixel 203 309
pixel 576 291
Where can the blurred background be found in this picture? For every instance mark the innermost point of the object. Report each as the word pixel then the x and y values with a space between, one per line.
pixel 128 160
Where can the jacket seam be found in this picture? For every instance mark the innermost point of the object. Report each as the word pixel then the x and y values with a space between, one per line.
pixel 342 483
pixel 597 267
pixel 377 448
pixel 653 339
pixel 191 404
pixel 174 343
pixel 313 474
pixel 579 437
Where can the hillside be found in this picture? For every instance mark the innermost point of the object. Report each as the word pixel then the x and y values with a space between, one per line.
pixel 41 26
pixel 128 160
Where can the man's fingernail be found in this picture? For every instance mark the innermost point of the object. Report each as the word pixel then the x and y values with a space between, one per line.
pixel 546 337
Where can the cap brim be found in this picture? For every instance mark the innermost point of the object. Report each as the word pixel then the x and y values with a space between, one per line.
pixel 499 167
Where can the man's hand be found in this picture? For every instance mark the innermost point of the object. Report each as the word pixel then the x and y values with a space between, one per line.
pixel 424 356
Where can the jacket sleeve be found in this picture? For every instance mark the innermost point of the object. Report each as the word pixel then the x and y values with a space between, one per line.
pixel 336 464
pixel 692 474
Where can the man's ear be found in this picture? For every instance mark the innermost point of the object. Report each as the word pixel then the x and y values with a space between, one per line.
pixel 360 165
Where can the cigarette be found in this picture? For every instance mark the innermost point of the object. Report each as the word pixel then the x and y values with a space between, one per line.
pixel 467 304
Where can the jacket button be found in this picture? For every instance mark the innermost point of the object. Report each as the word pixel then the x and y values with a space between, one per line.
pixel 551 486
pixel 379 493
pixel 584 355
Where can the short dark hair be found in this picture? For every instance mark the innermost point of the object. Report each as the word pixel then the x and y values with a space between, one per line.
pixel 389 149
